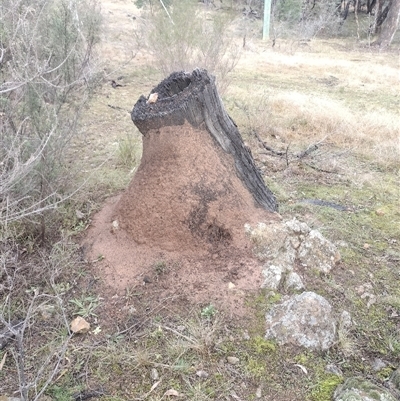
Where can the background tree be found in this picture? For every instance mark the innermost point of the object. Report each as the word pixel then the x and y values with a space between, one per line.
pixel 390 24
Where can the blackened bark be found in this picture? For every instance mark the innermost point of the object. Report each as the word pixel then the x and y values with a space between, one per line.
pixel 193 98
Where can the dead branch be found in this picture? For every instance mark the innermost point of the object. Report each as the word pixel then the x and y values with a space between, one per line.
pixel 310 149
pixel 8 332
pixel 266 147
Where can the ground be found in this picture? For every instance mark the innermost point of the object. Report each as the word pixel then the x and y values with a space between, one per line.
pixel 176 313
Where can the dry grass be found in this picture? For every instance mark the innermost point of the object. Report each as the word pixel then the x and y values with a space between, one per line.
pixel 346 98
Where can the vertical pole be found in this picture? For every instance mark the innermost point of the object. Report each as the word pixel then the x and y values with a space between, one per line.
pixel 267 19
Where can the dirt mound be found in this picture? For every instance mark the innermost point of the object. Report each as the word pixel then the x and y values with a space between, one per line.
pixel 185 195
pixel 178 229
pixel 221 276
pixel 178 232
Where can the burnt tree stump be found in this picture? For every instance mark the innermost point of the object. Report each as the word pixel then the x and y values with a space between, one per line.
pixel 197 182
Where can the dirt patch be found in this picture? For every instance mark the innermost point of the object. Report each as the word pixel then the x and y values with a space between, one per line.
pixel 178 230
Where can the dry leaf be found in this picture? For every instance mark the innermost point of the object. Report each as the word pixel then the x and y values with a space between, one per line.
pixel 173 393
pixel 302 368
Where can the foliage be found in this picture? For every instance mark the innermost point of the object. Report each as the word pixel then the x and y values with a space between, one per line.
pixel 324 389
pixel 128 151
pixel 85 305
pixel 46 74
pixel 208 311
pixel 305 19
pixel 186 37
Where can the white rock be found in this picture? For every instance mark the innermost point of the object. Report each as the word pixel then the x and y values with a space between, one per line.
pixel 272 276
pixel 154 374
pixel 297 226
pixel 318 253
pixel 303 320
pixel 345 321
pixel 294 282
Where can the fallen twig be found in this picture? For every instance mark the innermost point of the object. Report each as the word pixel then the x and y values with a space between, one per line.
pixel 310 149
pixel 266 147
pixel 118 108
pixel 320 169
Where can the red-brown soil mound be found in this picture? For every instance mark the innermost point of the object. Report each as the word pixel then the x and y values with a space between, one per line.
pixel 185 194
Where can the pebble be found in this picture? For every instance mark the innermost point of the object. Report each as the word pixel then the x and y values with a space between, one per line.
pixel 232 360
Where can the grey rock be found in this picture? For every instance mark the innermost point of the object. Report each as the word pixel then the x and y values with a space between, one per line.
pixel 345 321
pixel 358 389
pixel 281 244
pixel 395 379
pixel 297 227
pixel 154 374
pixel 293 282
pixel 202 374
pixel 331 368
pixel 232 360
pixel 378 364
pixel 318 253
pixel 303 320
pixel 272 277
pixel 270 242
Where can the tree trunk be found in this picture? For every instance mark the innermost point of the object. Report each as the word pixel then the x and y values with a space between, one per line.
pixel 197 181
pixel 194 98
pixel 390 25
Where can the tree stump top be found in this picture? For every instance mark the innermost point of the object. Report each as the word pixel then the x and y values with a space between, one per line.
pixel 193 98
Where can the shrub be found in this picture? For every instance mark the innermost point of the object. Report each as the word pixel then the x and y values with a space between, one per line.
pixel 185 36
pixel 46 75
pixel 305 19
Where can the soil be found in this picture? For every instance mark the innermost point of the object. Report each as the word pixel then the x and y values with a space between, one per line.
pixel 178 230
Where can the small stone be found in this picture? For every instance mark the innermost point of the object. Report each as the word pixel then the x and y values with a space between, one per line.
pixel 331 368
pixel 79 214
pixel 232 360
pixel 231 286
pixel 114 226
pixel 246 335
pixel 79 325
pixel 379 212
pixel 345 320
pixel 294 282
pixel 202 374
pixel 378 364
pixel 259 392
pixel 154 374
pixel 366 246
pixel 272 277
pixel 47 311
